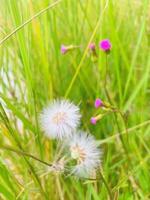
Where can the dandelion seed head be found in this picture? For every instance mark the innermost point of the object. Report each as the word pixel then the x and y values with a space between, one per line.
pixel 60 119
pixel 105 45
pixel 84 150
pixel 77 153
pixel 58 166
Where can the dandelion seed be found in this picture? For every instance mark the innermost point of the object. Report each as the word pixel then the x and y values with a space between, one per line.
pixel 84 150
pixel 58 166
pixel 105 45
pixel 98 103
pixel 60 119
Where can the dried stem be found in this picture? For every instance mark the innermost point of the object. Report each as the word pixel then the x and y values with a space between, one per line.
pixel 60 192
pixel 25 154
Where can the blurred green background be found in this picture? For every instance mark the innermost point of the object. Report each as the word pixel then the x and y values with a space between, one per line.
pixel 33 71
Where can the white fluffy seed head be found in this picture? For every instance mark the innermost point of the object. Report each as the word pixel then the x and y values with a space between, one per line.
pixel 60 119
pixel 84 150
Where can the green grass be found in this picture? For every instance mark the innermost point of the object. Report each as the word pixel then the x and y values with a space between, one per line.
pixel 33 71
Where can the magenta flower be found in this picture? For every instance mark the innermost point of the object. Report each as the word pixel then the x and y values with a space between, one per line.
pixel 93 120
pixel 92 46
pixel 64 49
pixel 98 103
pixel 105 45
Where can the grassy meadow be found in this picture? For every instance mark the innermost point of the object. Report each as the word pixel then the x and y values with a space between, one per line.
pixel 33 71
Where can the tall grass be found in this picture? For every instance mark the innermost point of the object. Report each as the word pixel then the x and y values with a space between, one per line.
pixel 33 71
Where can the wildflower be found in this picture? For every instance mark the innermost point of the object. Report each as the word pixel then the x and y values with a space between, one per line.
pixel 93 120
pixel 60 119
pixel 105 45
pixel 96 118
pixel 92 50
pixel 98 103
pixel 63 49
pixel 84 151
pixel 92 46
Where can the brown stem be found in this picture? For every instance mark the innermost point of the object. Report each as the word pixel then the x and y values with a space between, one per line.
pixel 25 154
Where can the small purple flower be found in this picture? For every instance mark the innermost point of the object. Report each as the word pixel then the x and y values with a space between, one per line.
pixel 93 120
pixel 92 46
pixel 63 49
pixel 105 45
pixel 98 103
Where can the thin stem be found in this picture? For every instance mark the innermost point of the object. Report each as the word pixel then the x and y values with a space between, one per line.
pixel 126 129
pixel 86 50
pixel 106 70
pixel 115 115
pixel 110 101
pixel 124 132
pixel 105 80
pixel 60 192
pixel 29 20
pixel 124 121
pixel 25 154
pixel 107 186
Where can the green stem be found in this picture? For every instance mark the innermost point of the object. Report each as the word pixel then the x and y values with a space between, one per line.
pixel 105 81
pixel 111 103
pixel 29 20
pixel 25 154
pixel 107 186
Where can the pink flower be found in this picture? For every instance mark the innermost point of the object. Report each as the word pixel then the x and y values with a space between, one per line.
pixel 105 45
pixel 98 103
pixel 93 120
pixel 63 49
pixel 92 46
